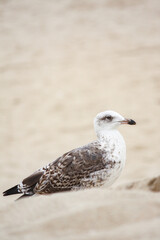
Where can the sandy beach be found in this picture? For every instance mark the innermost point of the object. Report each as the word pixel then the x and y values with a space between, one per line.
pixel 62 62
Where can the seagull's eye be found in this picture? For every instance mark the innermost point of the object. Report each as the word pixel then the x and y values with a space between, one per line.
pixel 108 117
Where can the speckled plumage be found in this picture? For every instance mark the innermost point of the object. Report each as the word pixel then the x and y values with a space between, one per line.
pixel 89 166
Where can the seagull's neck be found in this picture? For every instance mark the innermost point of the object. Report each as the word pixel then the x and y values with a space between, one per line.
pixel 105 134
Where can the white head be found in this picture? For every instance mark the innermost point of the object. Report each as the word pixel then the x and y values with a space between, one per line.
pixel 110 120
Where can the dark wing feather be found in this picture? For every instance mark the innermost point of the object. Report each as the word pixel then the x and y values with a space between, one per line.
pixel 32 179
pixel 29 183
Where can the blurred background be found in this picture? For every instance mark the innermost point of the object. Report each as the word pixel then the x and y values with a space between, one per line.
pixel 62 62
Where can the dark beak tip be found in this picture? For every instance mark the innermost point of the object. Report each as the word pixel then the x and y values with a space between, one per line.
pixel 131 122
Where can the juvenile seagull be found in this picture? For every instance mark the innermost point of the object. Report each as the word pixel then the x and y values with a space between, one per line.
pixel 92 165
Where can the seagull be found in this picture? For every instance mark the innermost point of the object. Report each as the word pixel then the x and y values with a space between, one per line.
pixel 92 165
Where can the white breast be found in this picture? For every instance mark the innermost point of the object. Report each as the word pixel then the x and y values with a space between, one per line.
pixel 114 145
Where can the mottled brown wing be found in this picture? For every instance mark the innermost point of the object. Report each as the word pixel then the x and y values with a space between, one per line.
pixel 68 171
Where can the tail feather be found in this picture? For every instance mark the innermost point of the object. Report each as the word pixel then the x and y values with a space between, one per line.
pixel 27 185
pixel 24 196
pixel 13 190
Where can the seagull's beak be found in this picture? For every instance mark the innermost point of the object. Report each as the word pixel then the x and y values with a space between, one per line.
pixel 128 121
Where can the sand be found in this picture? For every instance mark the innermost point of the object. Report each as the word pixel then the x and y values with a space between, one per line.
pixel 62 62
